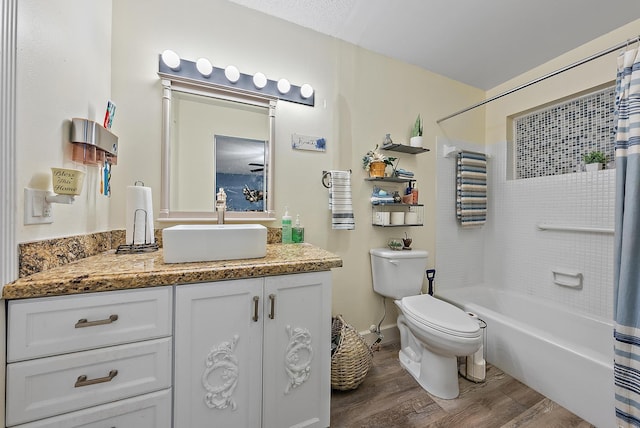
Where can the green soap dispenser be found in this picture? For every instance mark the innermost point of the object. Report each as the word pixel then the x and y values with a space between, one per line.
pixel 297 233
pixel 286 227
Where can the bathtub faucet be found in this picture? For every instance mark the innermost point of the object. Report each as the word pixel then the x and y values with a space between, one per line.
pixel 431 274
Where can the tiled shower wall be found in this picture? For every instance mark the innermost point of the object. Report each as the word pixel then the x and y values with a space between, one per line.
pixel 511 252
pixel 551 141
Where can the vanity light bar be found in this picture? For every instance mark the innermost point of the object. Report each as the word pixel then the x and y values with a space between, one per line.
pixel 231 78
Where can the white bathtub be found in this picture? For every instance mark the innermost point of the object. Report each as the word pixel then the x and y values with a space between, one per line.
pixel 563 354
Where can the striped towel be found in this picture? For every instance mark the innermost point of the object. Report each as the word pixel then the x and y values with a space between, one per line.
pixel 471 185
pixel 340 201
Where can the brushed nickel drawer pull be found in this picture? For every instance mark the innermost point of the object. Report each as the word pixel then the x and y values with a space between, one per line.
pixel 83 381
pixel 84 323
pixel 256 299
pixel 272 298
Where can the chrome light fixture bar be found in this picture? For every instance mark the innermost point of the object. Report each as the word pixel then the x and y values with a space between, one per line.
pixel 231 79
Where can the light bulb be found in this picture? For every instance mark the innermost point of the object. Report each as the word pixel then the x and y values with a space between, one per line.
pixel 171 59
pixel 306 90
pixel 204 67
pixel 232 73
pixel 284 86
pixel 259 80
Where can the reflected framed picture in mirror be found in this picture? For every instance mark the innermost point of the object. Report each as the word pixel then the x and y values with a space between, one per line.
pixel 240 165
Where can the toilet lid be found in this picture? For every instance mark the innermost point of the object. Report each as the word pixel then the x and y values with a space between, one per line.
pixel 440 315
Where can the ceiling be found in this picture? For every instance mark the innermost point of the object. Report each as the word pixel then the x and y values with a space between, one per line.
pixel 479 42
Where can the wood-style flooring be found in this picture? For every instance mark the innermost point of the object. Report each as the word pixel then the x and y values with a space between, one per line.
pixel 390 397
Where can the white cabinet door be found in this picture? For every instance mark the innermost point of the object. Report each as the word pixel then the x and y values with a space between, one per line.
pixel 218 354
pixel 297 350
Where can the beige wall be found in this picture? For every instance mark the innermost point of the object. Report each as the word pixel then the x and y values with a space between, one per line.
pixel 360 96
pixel 63 71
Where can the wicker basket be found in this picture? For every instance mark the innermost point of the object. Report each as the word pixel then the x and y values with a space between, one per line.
pixel 351 359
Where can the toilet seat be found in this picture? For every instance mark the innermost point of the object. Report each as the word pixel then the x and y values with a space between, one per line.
pixel 439 315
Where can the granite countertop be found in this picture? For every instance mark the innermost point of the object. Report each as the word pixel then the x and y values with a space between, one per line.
pixel 109 271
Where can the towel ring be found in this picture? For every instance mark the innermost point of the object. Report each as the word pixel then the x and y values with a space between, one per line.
pixel 326 179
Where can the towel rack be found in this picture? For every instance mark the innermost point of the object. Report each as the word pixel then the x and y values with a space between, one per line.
pixel 569 228
pixel 326 178
pixel 450 151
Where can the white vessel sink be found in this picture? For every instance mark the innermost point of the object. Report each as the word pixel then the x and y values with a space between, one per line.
pixel 210 242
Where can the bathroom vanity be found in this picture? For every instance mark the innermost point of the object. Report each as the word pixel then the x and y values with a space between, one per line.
pixel 128 340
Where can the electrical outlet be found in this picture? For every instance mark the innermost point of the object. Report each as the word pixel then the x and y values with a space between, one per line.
pixel 36 208
pixel 373 328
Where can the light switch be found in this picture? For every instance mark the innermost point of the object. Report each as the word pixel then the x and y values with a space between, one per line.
pixel 36 209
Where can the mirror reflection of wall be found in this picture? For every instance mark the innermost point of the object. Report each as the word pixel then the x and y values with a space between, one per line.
pixel 240 171
pixel 195 122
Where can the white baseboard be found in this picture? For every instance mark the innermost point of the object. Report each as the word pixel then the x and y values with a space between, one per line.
pixel 390 332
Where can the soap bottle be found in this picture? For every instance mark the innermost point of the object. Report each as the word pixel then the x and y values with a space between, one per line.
pixel 297 233
pixel 286 227
pixel 407 191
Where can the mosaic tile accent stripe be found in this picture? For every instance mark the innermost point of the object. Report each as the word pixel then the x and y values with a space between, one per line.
pixel 552 141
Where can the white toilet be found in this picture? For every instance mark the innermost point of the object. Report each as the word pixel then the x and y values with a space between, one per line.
pixel 432 332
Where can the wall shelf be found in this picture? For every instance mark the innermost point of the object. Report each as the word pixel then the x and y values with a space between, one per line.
pixel 391 179
pixel 396 204
pixel 403 148
pixel 382 215
pixel 397 225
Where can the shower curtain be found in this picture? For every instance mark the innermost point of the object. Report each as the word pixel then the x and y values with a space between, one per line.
pixel 627 241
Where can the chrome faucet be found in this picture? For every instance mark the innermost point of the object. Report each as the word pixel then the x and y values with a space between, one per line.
pixel 220 215
pixel 221 205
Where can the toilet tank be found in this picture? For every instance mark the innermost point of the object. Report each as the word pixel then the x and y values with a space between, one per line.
pixel 398 274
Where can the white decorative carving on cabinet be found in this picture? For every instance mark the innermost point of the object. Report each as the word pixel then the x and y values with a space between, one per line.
pixel 222 357
pixel 298 358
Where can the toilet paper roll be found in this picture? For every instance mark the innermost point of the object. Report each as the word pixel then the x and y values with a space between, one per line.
pixel 386 217
pixel 411 218
pixel 382 217
pixel 139 215
pixel 397 217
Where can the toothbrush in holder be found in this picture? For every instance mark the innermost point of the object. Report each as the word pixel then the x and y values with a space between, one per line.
pixel 109 114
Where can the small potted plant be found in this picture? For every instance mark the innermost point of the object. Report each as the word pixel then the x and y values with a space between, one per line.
pixel 376 162
pixel 395 244
pixel 594 160
pixel 416 133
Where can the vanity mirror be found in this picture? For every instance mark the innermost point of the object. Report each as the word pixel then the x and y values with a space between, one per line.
pixel 215 138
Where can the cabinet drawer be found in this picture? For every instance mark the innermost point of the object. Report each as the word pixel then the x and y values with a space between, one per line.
pixel 145 411
pixel 57 325
pixel 51 386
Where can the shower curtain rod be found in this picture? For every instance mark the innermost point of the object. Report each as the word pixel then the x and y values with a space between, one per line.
pixel 546 76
